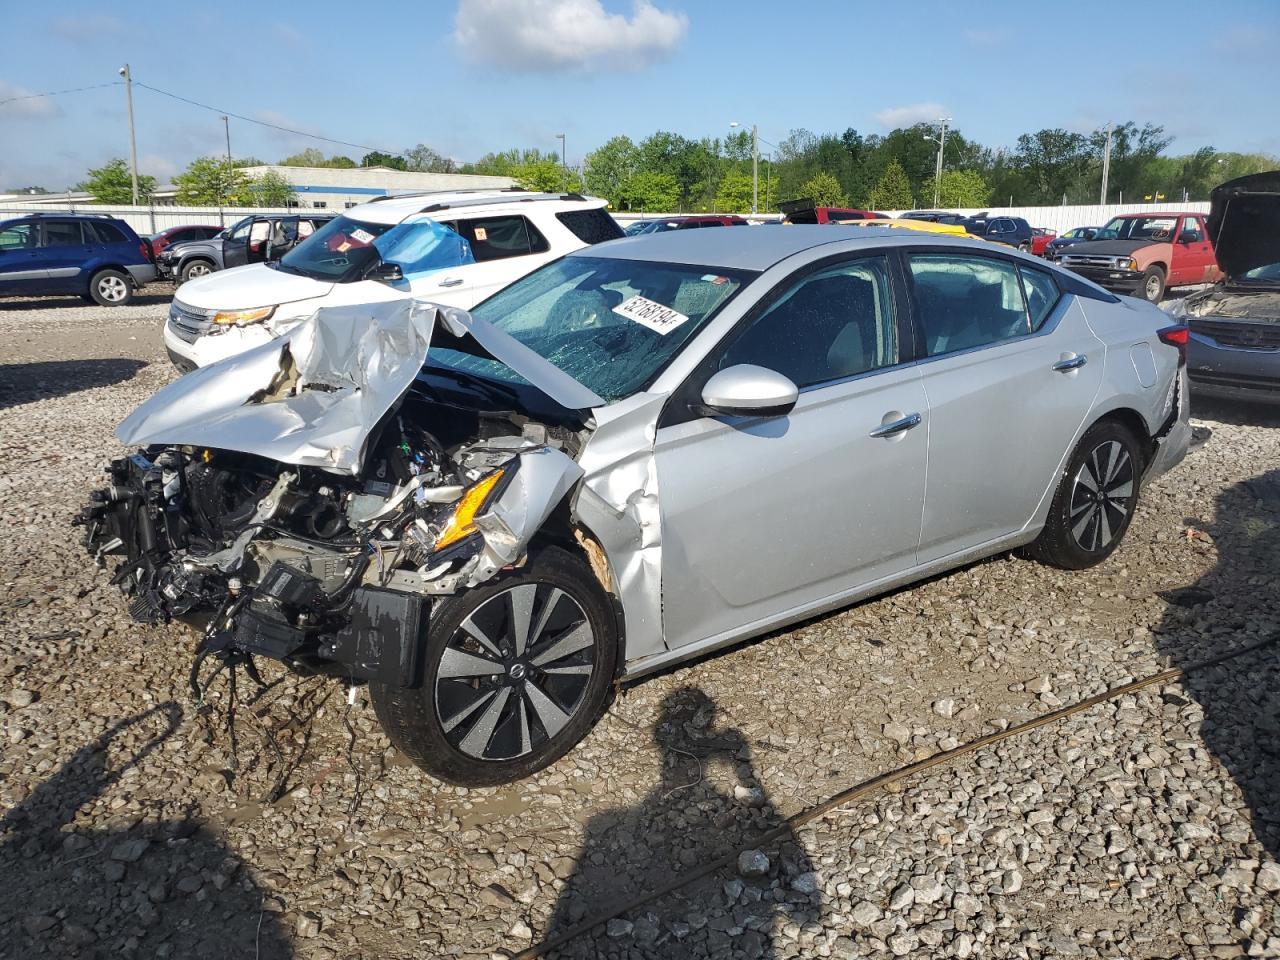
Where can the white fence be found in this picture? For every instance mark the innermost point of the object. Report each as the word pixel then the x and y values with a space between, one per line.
pixel 149 220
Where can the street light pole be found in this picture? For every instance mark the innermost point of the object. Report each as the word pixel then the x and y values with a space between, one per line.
pixel 755 170
pixel 133 141
pixel 937 173
pixel 1106 165
pixel 563 154
pixel 226 125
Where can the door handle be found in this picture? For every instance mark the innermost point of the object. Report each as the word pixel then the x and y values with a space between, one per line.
pixel 452 282
pixel 897 426
pixel 1071 363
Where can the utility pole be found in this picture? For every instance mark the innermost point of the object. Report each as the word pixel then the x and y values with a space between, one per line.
pixel 226 126
pixel 133 140
pixel 755 169
pixel 563 154
pixel 937 172
pixel 1106 165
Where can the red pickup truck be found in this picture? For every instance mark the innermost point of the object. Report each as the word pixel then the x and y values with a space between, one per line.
pixel 1145 253
pixel 805 211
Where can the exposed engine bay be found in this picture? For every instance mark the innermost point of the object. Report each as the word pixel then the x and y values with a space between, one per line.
pixel 328 562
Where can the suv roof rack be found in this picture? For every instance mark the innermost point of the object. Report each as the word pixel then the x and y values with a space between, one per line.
pixel 479 201
pixel 67 213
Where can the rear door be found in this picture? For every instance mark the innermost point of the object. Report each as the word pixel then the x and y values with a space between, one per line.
pixel 21 269
pixel 1011 371
pixel 64 254
pixel 505 247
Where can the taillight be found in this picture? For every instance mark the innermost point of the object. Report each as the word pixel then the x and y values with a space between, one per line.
pixel 1176 336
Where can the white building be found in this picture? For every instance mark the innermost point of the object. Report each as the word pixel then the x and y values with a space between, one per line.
pixel 337 188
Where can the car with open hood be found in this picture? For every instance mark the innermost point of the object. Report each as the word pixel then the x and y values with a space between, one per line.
pixel 635 455
pixel 455 247
pixel 258 238
pixel 1234 346
pixel 1143 254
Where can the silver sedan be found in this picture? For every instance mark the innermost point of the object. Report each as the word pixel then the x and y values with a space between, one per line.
pixel 637 454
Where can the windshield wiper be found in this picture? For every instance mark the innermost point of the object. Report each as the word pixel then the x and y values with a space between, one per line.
pixel 459 376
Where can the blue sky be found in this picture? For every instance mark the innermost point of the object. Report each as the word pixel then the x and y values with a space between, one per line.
pixel 470 76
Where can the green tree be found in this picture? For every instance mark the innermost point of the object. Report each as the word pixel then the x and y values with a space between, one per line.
pixel 423 159
pixel 733 195
pixel 213 181
pixel 547 176
pixel 824 190
pixel 610 167
pixel 271 189
pixel 959 188
pixel 893 191
pixel 652 191
pixel 111 183
pixel 379 159
pixel 311 157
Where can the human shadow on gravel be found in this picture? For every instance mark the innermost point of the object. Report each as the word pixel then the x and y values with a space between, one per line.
pixel 29 382
pixel 136 889
pixel 684 822
pixel 1235 605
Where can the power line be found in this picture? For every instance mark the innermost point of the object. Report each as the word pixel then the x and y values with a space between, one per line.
pixel 261 123
pixel 58 93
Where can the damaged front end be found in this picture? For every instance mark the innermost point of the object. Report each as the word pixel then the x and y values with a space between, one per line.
pixel 295 497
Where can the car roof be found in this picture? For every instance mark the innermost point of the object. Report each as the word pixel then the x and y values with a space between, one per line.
pixel 395 208
pixel 758 249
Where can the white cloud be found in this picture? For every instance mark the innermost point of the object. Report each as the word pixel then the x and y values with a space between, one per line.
pixel 893 117
pixel 159 166
pixel 548 35
pixel 26 105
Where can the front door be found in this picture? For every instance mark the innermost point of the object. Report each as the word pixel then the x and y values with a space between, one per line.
pixel 764 518
pixel 21 267
pixel 235 248
pixel 1011 373
pixel 1193 257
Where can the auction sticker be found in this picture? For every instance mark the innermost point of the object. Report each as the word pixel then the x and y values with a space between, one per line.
pixel 651 314
pixel 364 236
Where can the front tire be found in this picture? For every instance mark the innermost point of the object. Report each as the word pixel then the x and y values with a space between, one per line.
pixel 1153 281
pixel 110 288
pixel 195 269
pixel 515 673
pixel 1094 502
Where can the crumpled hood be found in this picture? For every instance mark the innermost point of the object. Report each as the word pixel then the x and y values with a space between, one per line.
pixel 1244 222
pixel 312 396
pixel 1108 248
pixel 254 285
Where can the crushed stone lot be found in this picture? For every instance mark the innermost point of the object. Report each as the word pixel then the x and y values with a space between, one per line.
pixel 136 825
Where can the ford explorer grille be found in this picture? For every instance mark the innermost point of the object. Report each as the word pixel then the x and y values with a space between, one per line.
pixel 188 323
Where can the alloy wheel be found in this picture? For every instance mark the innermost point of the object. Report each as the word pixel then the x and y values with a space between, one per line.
pixel 113 289
pixel 1101 496
pixel 514 672
pixel 1153 288
pixel 197 270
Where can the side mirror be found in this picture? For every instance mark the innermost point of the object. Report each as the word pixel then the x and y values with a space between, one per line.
pixel 746 390
pixel 388 272
pixel 1188 236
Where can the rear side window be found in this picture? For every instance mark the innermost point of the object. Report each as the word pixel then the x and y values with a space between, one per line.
pixel 96 232
pixel 590 226
pixel 965 302
pixel 497 238
pixel 16 237
pixel 62 233
pixel 1042 294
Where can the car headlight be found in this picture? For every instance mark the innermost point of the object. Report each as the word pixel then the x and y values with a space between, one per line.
pixel 1126 263
pixel 462 522
pixel 241 318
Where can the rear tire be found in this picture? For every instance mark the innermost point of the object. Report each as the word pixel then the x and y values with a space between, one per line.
pixel 1153 281
pixel 195 269
pixel 1095 500
pixel 1024 247
pixel 515 673
pixel 110 288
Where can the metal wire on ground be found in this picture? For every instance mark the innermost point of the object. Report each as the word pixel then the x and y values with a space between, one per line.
pixel 867 787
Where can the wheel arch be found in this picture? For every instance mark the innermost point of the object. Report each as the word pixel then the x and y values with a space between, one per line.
pixel 1135 423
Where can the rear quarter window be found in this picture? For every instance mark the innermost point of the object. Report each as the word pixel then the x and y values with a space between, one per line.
pixel 590 226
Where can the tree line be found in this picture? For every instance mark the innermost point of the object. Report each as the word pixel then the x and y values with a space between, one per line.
pixel 668 172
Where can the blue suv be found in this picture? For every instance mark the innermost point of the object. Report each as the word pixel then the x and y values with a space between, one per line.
pixel 97 257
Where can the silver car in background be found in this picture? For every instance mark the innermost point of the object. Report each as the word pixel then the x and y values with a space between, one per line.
pixel 639 453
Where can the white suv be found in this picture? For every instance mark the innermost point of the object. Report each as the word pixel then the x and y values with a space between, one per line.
pixel 453 248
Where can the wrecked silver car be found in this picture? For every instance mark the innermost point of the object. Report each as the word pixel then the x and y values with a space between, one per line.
pixel 1234 348
pixel 637 454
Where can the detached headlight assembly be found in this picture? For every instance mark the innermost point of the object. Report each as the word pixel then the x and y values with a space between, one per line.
pixel 241 318
pixel 461 523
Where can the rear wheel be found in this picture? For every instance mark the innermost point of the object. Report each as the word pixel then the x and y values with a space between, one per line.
pixel 1095 500
pixel 110 288
pixel 195 269
pixel 1152 284
pixel 515 673
pixel 1025 246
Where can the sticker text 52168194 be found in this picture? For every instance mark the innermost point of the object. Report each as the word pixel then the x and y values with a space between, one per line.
pixel 651 314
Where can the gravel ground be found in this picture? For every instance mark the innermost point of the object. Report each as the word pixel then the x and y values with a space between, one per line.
pixel 1146 827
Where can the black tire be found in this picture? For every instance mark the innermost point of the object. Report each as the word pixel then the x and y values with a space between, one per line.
pixel 507 709
pixel 196 268
pixel 1025 246
pixel 1084 528
pixel 1152 287
pixel 111 288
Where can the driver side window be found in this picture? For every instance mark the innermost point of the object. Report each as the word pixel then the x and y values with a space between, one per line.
pixel 832 324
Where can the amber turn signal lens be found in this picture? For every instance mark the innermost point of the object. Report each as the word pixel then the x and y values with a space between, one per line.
pixel 462 523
